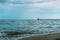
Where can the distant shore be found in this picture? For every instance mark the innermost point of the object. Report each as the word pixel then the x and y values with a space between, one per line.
pixel 53 36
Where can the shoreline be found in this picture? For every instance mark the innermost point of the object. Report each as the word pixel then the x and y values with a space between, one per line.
pixel 53 36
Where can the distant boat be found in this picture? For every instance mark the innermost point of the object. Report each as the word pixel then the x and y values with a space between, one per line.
pixel 38 19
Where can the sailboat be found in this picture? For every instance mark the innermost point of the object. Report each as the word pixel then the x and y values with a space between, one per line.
pixel 38 19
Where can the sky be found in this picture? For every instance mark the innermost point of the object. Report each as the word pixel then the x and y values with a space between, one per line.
pixel 29 9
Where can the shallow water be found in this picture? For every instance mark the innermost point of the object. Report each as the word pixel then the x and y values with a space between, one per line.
pixel 41 26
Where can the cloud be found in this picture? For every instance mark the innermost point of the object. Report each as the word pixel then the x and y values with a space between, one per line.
pixel 18 1
pixel 26 7
pixel 35 4
pixel 53 4
pixel 50 4
pixel 23 1
pixel 2 1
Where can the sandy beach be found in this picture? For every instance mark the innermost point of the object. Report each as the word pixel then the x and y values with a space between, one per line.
pixel 53 36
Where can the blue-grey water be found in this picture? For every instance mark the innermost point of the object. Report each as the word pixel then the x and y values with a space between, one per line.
pixel 42 26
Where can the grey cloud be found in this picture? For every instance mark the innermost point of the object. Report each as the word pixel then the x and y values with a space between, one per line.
pixel 3 1
pixel 20 2
pixel 25 2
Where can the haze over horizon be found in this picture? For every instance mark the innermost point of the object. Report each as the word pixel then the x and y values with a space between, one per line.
pixel 29 9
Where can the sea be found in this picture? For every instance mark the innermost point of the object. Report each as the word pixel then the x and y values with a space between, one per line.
pixel 34 26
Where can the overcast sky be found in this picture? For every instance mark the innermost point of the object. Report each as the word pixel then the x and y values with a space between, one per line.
pixel 29 9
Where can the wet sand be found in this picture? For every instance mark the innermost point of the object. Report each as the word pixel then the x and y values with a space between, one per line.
pixel 53 36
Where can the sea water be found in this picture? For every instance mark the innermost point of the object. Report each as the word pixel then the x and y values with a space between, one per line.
pixel 42 26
